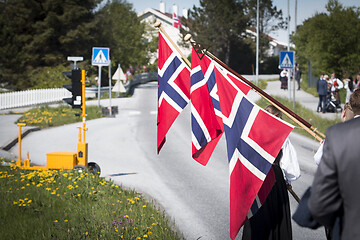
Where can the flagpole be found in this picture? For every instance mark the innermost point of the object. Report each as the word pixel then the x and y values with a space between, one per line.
pixel 158 25
pixel 301 122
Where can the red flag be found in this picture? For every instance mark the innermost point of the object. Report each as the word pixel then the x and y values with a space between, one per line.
pixel 254 137
pixel 206 126
pixel 177 23
pixel 173 88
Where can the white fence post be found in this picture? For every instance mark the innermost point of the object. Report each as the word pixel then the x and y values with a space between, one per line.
pixel 32 97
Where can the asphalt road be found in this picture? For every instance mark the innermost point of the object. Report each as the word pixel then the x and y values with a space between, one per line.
pixel 195 197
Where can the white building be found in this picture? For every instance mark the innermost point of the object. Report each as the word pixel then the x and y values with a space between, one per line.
pixel 150 16
pixel 275 46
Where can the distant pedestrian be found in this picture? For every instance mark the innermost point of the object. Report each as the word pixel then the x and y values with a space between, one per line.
pixel 357 82
pixel 284 79
pixel 337 84
pixel 322 92
pixel 298 76
pixel 349 86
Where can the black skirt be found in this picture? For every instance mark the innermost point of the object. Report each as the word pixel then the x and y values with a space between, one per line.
pixel 272 220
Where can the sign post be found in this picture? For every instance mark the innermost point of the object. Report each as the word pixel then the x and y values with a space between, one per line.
pixel 287 62
pixel 118 76
pixel 100 57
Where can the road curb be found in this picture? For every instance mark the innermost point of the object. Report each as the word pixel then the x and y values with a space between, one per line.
pixel 11 143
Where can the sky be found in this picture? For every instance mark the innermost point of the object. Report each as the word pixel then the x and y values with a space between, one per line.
pixel 305 9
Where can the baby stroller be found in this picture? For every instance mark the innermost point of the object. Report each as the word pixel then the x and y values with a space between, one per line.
pixel 332 104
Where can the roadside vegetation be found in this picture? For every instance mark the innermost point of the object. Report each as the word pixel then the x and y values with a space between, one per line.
pixel 46 116
pixel 314 119
pixel 67 204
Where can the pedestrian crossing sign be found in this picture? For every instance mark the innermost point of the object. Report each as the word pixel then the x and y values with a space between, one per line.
pixel 286 59
pixel 100 56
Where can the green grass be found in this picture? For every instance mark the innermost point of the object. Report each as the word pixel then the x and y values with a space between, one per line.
pixel 315 120
pixel 46 116
pixel 262 84
pixel 64 204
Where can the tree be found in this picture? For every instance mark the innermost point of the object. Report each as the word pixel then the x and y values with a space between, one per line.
pixel 218 25
pixel 331 41
pixel 38 33
pixel 123 33
pixel 270 19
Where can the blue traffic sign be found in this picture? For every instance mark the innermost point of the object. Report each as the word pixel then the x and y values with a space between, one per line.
pixel 100 56
pixel 287 60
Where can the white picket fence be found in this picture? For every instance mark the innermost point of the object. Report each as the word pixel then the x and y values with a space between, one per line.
pixel 32 97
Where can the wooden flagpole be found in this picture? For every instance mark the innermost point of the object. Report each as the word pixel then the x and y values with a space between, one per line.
pixel 158 25
pixel 297 119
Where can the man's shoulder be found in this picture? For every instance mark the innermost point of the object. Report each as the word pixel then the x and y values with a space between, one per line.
pixel 344 127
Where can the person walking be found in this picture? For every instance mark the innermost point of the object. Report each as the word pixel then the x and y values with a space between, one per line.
pixel 298 75
pixel 322 92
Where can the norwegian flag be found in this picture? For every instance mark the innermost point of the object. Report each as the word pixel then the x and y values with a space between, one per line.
pixel 177 23
pixel 206 126
pixel 206 118
pixel 173 88
pixel 254 137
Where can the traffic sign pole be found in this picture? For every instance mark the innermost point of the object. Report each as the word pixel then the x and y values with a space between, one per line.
pixel 100 57
pixel 287 62
pixel 110 113
pixel 99 86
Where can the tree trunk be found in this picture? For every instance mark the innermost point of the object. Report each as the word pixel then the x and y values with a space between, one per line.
pixel 227 53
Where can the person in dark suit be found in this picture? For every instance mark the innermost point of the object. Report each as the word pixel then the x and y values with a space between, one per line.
pixel 322 91
pixel 334 191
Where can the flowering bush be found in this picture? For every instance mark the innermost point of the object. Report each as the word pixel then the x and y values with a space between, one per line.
pixel 54 116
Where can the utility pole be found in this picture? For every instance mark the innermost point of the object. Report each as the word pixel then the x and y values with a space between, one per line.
pixel 295 55
pixel 288 49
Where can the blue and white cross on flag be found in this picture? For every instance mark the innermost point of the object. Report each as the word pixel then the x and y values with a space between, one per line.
pixel 100 56
pixel 287 60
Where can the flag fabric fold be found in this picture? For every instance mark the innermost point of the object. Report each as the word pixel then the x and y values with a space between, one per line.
pixel 173 88
pixel 254 137
pixel 206 116
pixel 206 122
